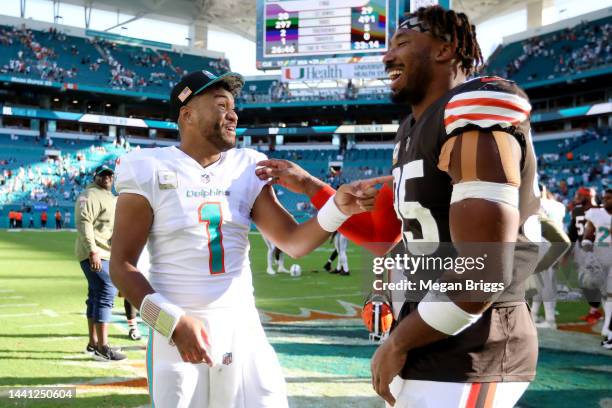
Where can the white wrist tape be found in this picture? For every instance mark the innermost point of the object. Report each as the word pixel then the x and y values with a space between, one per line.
pixel 161 315
pixel 586 243
pixel 496 192
pixel 446 317
pixel 330 217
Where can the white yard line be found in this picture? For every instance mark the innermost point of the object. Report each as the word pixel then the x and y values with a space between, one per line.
pixel 19 305
pixel 44 312
pixel 2 316
pixel 50 339
pixel 7 290
pixel 10 297
pixel 49 312
pixel 31 326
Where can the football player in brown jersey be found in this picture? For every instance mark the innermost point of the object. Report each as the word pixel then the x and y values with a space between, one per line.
pixel 464 171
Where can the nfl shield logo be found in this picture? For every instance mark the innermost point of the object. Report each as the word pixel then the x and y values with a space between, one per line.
pixel 227 359
pixel 205 178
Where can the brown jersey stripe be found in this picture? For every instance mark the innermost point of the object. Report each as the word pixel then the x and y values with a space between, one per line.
pixel 469 148
pixel 489 163
pixel 445 154
pixel 454 169
pixel 510 162
pixel 482 395
pixel 490 395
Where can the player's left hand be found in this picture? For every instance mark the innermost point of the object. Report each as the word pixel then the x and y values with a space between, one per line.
pixel 386 364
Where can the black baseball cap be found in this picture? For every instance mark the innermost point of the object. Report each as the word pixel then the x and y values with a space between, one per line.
pixel 103 169
pixel 197 82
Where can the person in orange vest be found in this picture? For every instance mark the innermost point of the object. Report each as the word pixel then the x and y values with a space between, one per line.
pixel 19 219
pixel 11 216
pixel 58 220
pixel 43 219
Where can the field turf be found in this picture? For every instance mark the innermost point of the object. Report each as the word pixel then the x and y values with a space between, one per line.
pixel 326 361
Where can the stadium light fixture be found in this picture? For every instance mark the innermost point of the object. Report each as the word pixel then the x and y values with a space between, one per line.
pixel 55 99
pixel 108 105
pixel 75 101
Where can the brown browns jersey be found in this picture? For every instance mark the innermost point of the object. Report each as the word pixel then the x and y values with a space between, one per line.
pixel 577 224
pixel 502 345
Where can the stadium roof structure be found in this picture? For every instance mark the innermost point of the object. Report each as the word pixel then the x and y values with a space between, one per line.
pixel 238 16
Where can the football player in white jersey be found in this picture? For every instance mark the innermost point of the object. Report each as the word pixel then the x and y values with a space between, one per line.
pixel 193 206
pixel 273 253
pixel 597 237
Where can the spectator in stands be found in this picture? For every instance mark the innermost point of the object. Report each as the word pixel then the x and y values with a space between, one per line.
pixel 43 219
pixel 31 218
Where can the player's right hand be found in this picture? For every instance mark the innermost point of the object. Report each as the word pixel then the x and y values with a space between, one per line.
pixel 191 340
pixel 95 262
pixel 289 175
pixel 360 195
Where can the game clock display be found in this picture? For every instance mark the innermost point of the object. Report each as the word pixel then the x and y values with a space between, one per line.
pixel 323 27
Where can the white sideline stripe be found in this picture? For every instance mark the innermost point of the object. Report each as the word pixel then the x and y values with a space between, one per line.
pixel 10 297
pixel 49 312
pixel 19 305
pixel 30 326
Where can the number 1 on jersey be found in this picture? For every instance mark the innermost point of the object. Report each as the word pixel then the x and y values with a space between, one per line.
pixel 209 213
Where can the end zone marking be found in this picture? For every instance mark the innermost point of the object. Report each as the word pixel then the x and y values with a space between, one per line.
pixel 351 311
pixel 274 299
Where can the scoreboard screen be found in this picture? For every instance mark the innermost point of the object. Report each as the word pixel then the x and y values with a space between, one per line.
pixel 290 30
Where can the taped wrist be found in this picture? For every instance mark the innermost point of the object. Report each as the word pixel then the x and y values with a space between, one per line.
pixel 445 316
pixel 330 217
pixel 159 314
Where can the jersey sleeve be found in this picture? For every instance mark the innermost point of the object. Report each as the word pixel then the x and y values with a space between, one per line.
pixel 377 231
pixel 134 173
pixel 496 105
pixel 255 184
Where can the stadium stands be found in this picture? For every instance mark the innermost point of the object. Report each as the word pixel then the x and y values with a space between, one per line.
pixel 565 52
pixel 54 56
pixel 29 176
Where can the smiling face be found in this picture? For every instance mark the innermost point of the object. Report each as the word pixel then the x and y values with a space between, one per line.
pixel 211 116
pixel 409 64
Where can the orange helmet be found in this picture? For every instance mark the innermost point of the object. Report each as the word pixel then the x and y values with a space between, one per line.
pixel 377 315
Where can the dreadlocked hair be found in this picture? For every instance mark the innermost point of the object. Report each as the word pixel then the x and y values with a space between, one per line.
pixel 447 23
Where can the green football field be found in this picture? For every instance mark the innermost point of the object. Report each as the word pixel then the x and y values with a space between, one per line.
pixel 310 321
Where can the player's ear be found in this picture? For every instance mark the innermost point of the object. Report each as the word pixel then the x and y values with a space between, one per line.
pixel 185 114
pixel 445 51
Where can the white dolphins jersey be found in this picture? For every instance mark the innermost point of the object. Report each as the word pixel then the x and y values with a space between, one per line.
pixel 602 221
pixel 198 243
